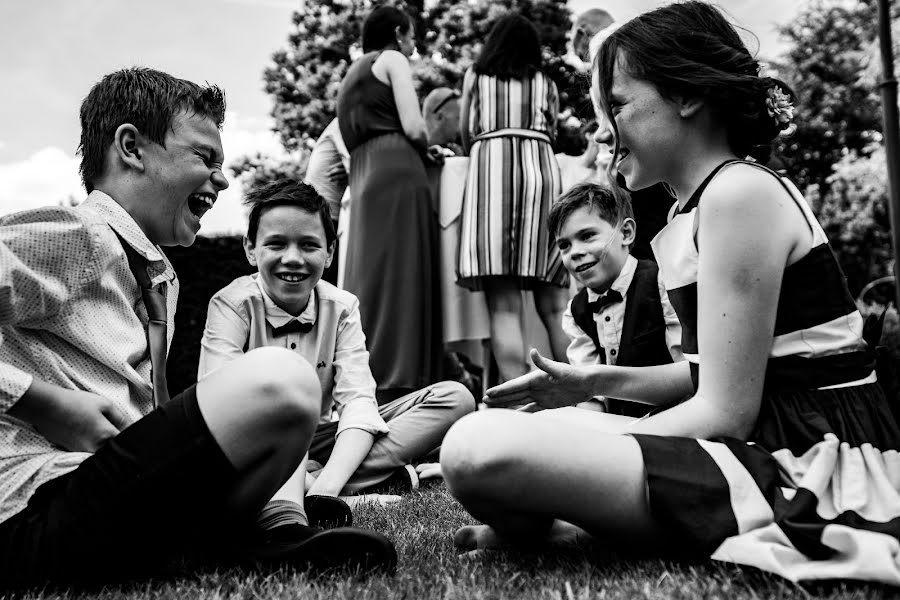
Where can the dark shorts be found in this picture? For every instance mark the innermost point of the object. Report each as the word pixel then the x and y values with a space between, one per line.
pixel 148 496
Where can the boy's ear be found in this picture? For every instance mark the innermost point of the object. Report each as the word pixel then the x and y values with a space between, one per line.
pixel 330 254
pixel 128 145
pixel 248 251
pixel 629 231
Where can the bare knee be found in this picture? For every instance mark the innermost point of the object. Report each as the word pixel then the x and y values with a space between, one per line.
pixel 476 453
pixel 282 385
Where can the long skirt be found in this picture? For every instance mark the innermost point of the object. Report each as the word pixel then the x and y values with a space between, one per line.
pixel 392 262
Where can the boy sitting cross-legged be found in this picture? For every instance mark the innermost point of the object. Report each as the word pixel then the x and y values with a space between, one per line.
pixel 622 316
pixel 290 239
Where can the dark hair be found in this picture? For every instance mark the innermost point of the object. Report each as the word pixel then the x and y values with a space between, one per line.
pixel 378 28
pixel 287 192
pixel 613 206
pixel 512 49
pixel 145 98
pixel 690 49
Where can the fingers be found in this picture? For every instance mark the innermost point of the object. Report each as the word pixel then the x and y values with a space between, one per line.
pixel 514 385
pixel 115 416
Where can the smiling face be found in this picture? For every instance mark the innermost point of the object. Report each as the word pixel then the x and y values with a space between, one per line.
pixel 291 252
pixel 646 127
pixel 592 249
pixel 184 180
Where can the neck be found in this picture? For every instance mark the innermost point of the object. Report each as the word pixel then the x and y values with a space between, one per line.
pixel 125 196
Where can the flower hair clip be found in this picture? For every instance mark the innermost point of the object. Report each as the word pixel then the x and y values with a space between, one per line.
pixel 779 106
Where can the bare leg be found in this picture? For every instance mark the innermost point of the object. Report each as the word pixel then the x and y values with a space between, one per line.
pixel 550 302
pixel 504 301
pixel 261 410
pixel 518 474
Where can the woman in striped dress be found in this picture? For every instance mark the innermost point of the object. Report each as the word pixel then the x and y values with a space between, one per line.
pixel 784 456
pixel 508 121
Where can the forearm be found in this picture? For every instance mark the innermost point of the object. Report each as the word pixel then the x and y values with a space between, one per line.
pixel 350 448
pixel 659 385
pixel 37 403
pixel 701 419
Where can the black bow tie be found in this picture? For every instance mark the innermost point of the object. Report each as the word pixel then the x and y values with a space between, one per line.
pixel 292 326
pixel 610 297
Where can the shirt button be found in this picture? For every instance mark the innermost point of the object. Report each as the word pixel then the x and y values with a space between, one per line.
pixel 613 352
pixel 293 346
pixel 607 319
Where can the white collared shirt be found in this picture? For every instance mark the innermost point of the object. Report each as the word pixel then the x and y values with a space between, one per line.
pixel 67 316
pixel 610 320
pixel 242 317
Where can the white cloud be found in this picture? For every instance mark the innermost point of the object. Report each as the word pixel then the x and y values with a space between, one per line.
pixel 50 176
pixel 47 177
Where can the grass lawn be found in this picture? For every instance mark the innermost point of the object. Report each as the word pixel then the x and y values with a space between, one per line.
pixel 422 527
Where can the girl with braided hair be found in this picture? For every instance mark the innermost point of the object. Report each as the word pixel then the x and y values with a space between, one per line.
pixel 783 454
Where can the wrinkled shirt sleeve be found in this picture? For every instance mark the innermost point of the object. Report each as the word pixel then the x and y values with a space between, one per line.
pixel 354 386
pixel 45 258
pixel 224 337
pixel 581 351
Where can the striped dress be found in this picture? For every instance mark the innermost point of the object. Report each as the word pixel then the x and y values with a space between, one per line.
pixel 513 179
pixel 814 493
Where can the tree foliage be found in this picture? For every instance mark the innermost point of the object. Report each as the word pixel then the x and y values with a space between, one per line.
pixel 853 209
pixel 305 75
pixel 838 112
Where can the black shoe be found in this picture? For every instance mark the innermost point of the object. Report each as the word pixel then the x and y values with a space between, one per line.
pixel 403 479
pixel 343 548
pixel 327 512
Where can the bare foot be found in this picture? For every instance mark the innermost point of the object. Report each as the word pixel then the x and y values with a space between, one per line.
pixel 429 471
pixel 483 537
pixel 476 537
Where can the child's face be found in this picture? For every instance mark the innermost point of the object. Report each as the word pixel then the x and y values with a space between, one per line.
pixel 646 126
pixel 592 249
pixel 185 176
pixel 291 253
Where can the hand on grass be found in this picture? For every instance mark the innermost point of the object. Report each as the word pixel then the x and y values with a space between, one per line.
pixel 553 385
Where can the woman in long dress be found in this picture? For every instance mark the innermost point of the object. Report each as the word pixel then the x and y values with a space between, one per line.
pixel 392 261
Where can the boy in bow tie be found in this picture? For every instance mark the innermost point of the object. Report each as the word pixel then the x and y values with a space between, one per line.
pixel 290 239
pixel 622 316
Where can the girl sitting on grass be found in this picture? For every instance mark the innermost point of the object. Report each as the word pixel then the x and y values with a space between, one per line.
pixel 784 454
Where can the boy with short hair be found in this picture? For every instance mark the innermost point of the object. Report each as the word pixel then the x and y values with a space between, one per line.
pixel 290 239
pixel 97 482
pixel 622 315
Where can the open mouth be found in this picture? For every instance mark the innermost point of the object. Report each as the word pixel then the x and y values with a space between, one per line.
pixel 623 153
pixel 200 203
pixel 292 277
pixel 584 267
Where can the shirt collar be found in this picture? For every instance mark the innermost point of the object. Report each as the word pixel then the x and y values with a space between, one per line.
pixel 159 268
pixel 622 282
pixel 277 316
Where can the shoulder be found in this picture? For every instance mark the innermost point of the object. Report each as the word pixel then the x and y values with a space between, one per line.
pixel 393 59
pixel 69 235
pixel 745 188
pixel 236 293
pixel 341 300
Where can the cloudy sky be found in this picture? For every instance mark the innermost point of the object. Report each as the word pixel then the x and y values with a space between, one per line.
pixel 53 51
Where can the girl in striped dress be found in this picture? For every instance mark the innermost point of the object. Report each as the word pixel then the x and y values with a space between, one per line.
pixel 508 123
pixel 784 456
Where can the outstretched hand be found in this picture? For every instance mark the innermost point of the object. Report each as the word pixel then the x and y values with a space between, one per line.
pixel 553 385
